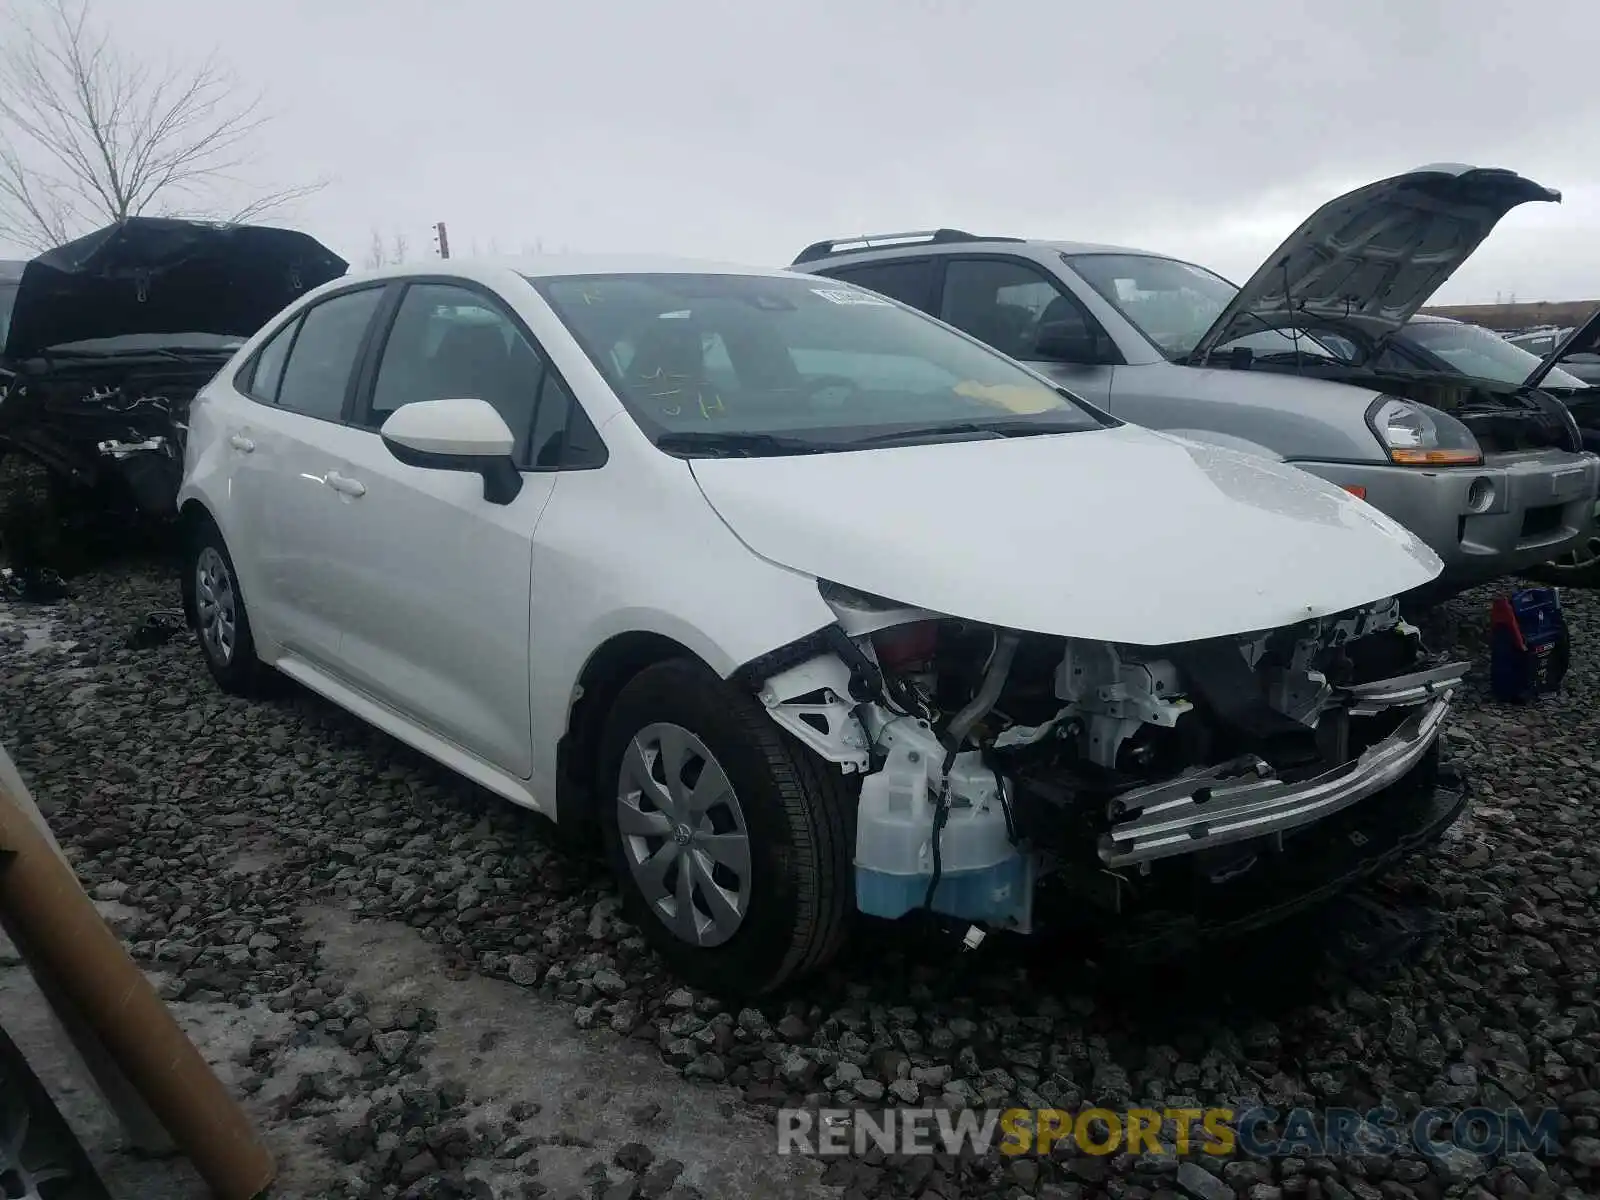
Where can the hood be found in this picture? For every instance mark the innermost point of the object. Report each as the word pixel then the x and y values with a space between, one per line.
pixel 1120 535
pixel 1585 339
pixel 154 275
pixel 1374 256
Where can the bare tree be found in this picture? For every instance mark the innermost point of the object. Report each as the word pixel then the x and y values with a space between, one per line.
pixel 89 135
pixel 382 254
pixel 377 254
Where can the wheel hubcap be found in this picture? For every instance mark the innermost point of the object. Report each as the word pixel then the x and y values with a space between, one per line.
pixel 1585 554
pixel 683 834
pixel 216 606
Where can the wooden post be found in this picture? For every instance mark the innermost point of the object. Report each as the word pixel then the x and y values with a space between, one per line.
pixel 57 928
pixel 140 1128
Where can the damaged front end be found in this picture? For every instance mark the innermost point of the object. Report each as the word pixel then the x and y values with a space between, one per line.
pixel 1154 786
pixel 108 339
pixel 108 428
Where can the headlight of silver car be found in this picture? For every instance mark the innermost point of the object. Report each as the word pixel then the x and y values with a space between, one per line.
pixel 1415 435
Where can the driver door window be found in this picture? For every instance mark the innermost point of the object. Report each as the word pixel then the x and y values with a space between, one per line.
pixel 1015 308
pixel 450 343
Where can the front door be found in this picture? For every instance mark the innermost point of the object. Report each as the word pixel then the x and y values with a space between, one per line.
pixel 435 579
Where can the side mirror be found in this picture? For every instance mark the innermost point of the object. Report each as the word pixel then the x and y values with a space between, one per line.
pixel 456 435
pixel 1069 345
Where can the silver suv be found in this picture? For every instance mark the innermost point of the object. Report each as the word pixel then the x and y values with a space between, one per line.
pixel 1493 477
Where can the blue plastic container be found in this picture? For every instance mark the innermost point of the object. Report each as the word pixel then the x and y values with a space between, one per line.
pixel 1529 646
pixel 995 894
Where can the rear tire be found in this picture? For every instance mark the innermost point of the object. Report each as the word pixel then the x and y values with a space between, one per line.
pixel 739 920
pixel 215 608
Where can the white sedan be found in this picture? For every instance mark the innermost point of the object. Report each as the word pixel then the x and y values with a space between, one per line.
pixel 814 604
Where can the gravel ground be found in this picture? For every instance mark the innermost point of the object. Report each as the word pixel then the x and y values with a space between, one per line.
pixel 380 925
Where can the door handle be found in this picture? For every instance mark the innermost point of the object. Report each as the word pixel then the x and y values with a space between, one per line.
pixel 344 486
pixel 241 443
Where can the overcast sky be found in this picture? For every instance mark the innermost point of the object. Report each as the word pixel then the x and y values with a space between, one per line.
pixel 745 129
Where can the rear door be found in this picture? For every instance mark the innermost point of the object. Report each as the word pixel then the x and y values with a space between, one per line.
pixel 285 445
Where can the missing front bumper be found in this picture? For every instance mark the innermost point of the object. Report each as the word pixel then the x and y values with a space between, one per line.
pixel 1362 843
pixel 1243 800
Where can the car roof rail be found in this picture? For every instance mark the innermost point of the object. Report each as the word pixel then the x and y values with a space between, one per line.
pixel 872 241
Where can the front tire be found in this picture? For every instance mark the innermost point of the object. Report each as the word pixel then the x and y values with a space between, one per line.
pixel 731 842
pixel 216 611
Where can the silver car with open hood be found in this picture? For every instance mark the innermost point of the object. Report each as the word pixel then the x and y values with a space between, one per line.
pixel 1494 480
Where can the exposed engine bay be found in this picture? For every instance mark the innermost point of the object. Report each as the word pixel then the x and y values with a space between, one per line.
pixel 109 338
pixel 1502 417
pixel 991 758
pixel 113 426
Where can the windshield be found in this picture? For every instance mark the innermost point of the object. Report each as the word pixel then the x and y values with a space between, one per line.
pixel 1474 350
pixel 801 358
pixel 1174 303
pixel 8 297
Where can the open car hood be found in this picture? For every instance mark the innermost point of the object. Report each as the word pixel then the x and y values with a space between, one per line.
pixel 155 275
pixel 1121 535
pixel 1585 339
pixel 10 276
pixel 1374 256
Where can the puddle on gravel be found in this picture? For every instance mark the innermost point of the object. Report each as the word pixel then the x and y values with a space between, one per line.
pixel 30 629
pixel 218 1031
pixel 588 1084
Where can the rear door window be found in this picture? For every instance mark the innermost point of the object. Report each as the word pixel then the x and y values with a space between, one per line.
pixel 909 281
pixel 266 373
pixel 317 375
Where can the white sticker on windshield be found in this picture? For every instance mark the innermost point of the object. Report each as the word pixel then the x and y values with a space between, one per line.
pixel 851 296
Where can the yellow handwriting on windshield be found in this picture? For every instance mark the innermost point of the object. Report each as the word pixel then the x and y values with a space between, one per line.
pixel 1013 397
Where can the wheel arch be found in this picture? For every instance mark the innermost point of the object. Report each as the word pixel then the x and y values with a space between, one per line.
pixel 608 670
pixel 192 512
pixel 193 516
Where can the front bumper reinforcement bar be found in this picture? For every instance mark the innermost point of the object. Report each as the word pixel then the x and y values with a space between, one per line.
pixel 1242 799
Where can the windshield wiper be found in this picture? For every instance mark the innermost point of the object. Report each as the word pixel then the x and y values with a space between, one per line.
pixel 727 442
pixel 1022 428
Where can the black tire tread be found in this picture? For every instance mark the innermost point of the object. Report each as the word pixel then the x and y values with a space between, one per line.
pixel 1587 576
pixel 248 676
pixel 816 806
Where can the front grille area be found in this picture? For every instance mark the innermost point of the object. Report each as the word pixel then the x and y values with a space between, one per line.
pixel 1541 521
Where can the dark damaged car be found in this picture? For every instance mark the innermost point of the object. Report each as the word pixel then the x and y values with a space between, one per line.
pixel 105 340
